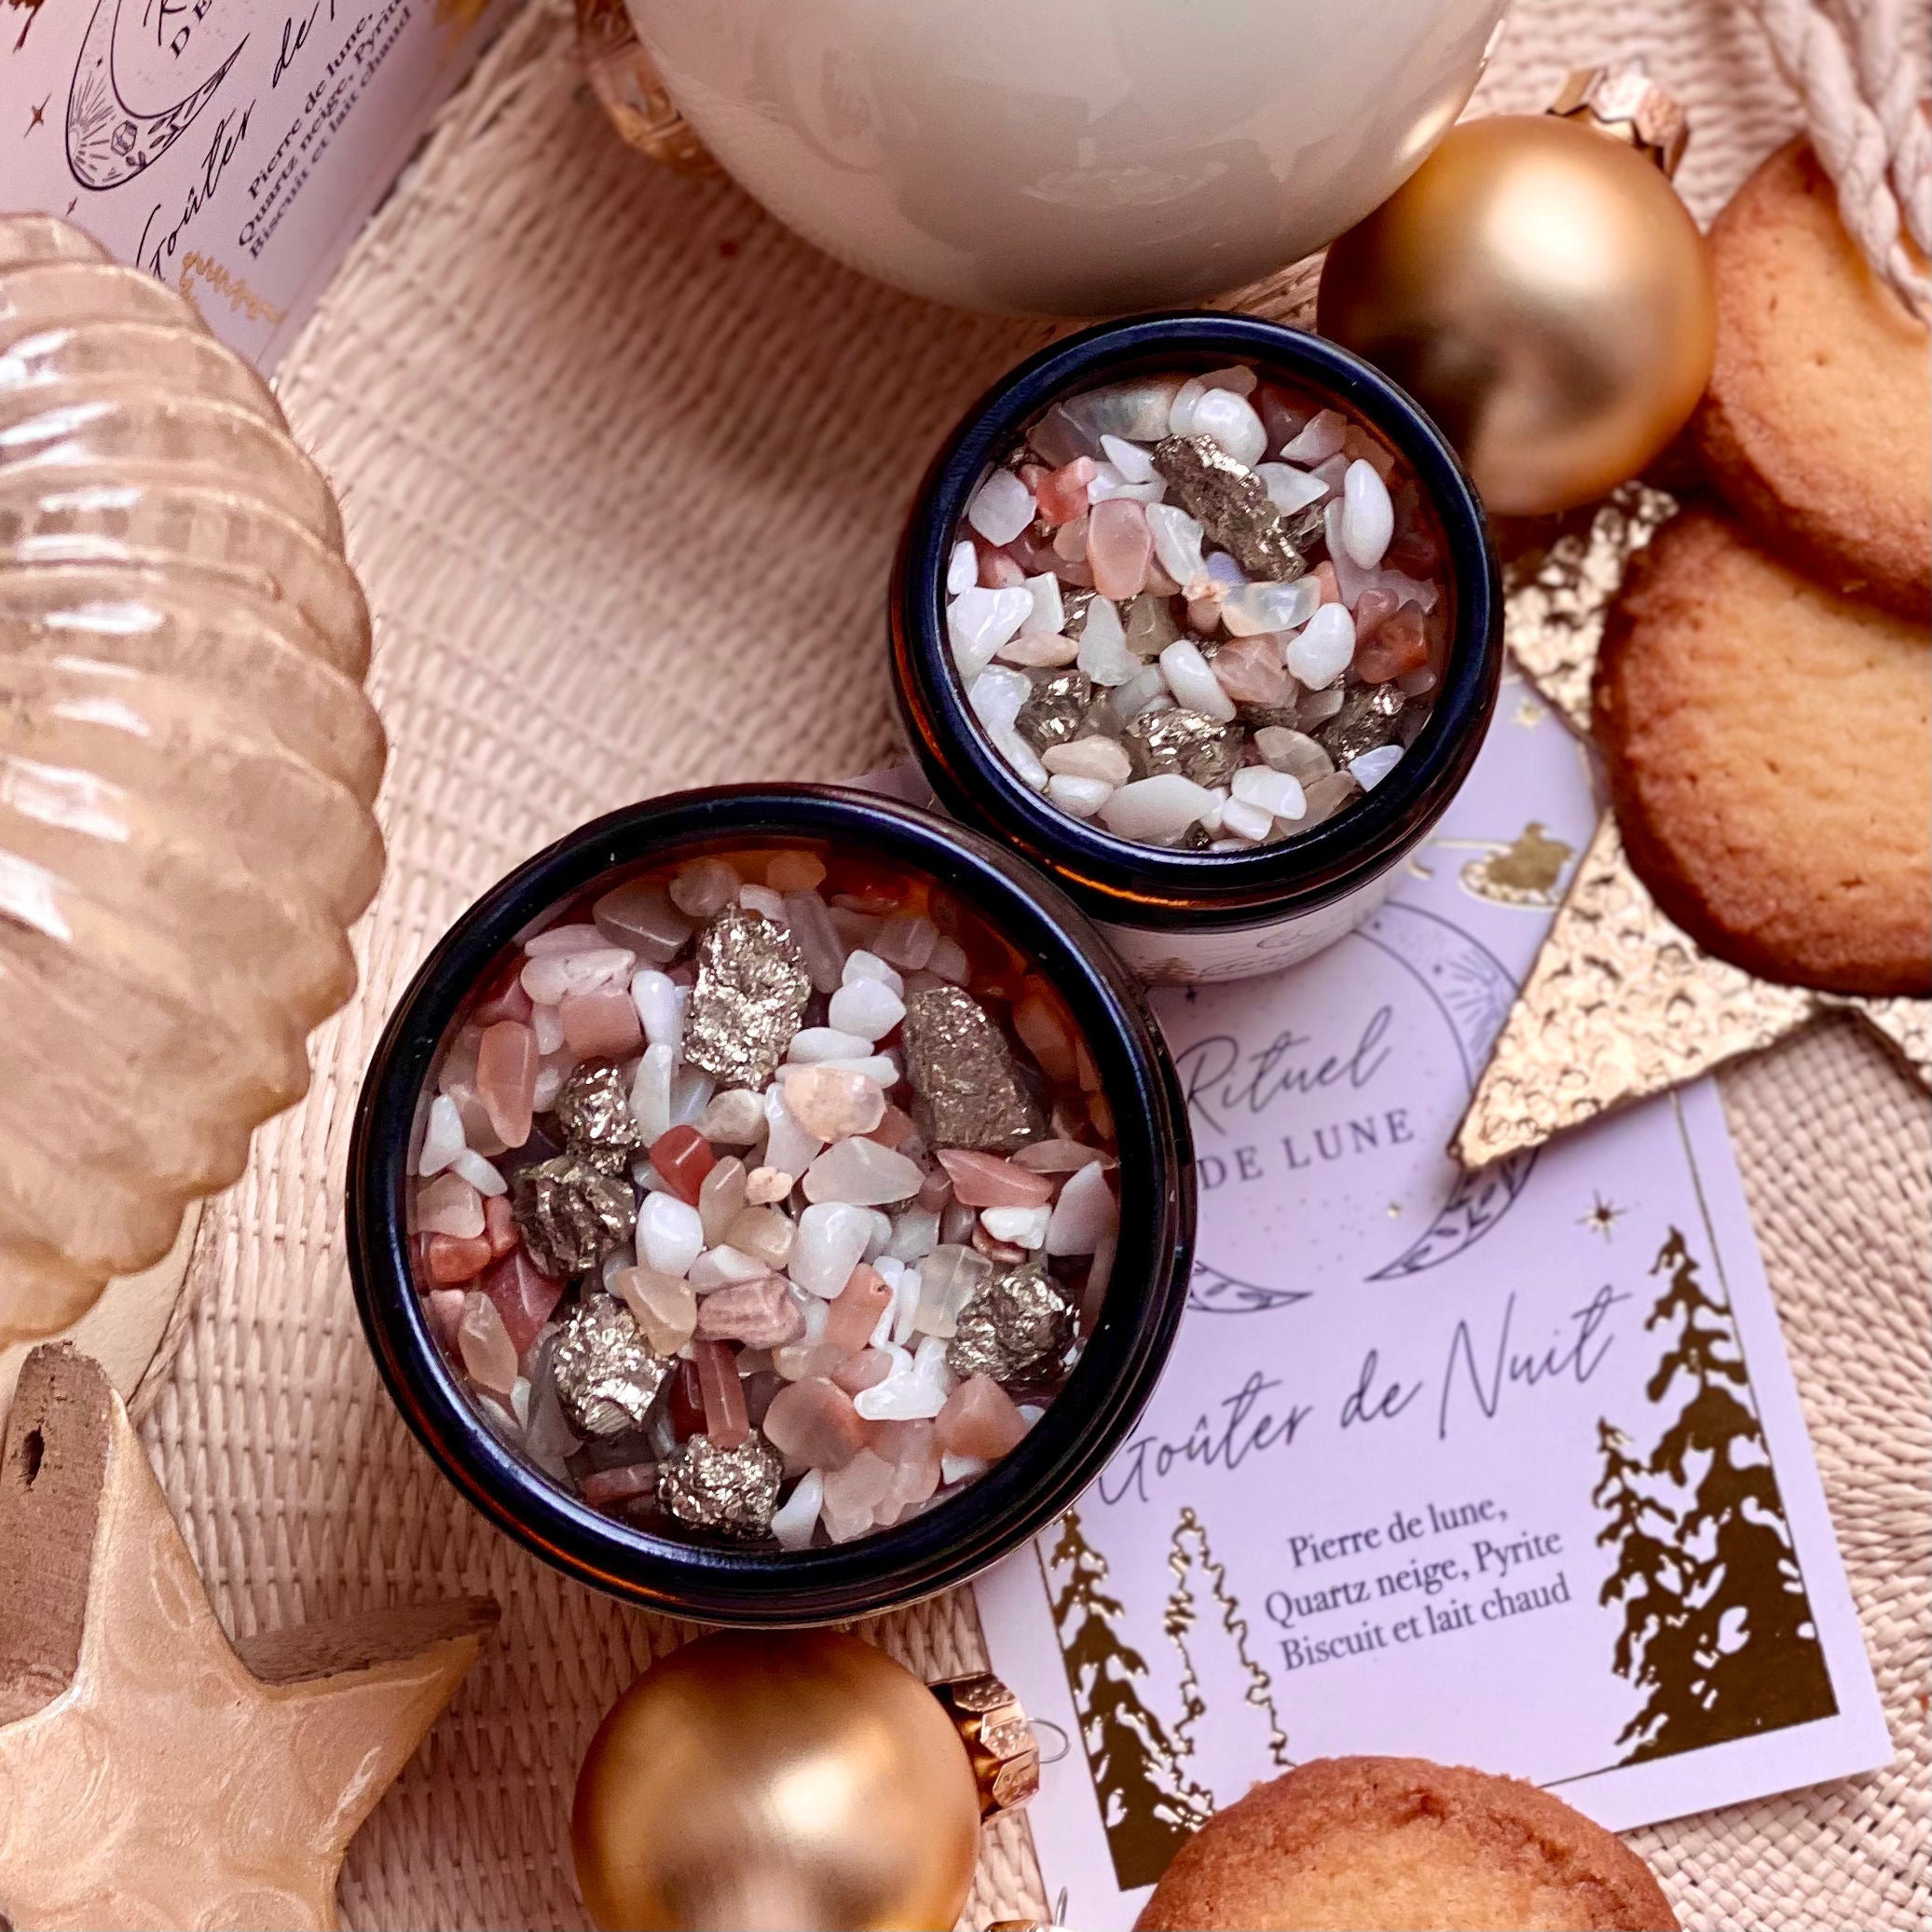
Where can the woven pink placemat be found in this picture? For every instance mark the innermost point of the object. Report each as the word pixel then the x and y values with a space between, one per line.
pixel 623 464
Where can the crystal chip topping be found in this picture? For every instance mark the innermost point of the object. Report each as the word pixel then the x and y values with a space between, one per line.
pixel 749 1001
pixel 970 1090
pixel 571 1212
pixel 605 1374
pixel 733 1491
pixel 1231 504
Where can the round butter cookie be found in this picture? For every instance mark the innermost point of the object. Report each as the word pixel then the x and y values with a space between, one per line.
pixel 1815 424
pixel 1384 1845
pixel 1770 752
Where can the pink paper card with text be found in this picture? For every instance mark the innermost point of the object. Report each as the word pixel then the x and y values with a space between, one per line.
pixel 1504 1469
pixel 231 148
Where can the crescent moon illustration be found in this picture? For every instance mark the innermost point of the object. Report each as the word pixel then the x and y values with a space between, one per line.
pixel 1474 991
pixel 1217 1293
pixel 108 143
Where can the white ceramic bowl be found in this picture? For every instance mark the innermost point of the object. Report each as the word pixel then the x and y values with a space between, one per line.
pixel 1069 156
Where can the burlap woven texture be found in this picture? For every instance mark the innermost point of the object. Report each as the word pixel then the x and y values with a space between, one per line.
pixel 622 465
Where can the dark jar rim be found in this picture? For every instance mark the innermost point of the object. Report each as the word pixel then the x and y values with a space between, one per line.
pixel 1116 879
pixel 1083 1424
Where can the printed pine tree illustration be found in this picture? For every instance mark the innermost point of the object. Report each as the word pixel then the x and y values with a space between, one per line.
pixel 1648 1576
pixel 1192 1561
pixel 1717 1627
pixel 1149 1806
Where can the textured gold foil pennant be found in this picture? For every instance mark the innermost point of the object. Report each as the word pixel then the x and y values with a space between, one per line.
pixel 1905 1023
pixel 1621 1004
pixel 1555 594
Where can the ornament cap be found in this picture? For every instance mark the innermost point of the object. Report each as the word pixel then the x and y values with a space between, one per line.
pixel 999 1740
pixel 1625 103
pixel 631 91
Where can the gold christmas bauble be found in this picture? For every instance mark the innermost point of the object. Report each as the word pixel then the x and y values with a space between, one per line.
pixel 1540 289
pixel 793 1780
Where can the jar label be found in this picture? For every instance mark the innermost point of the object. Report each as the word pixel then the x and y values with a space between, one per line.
pixel 1180 958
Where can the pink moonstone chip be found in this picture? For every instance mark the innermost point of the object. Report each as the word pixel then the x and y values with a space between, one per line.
pixel 506 1079
pixel 980 1418
pixel 813 1425
pixel 855 1310
pixel 601 1025
pixel 895 1127
pixel 726 1420
pixel 1037 1022
pixel 664 1305
pixel 986 1181
pixel 453 1259
pixel 863 1371
pixel 450 1205
pixel 1119 547
pixel 488 1353
pixel 605 1489
pixel 761 1314
pixel 1249 670
pixel 859 1172
pixel 524 1294
pixel 853 1495
pixel 832 1103
pixel 1058 1157
pixel 910 1439
pixel 1061 494
pixel 799 1360
pixel 445 1306
pixel 913 1449
pixel 1373 609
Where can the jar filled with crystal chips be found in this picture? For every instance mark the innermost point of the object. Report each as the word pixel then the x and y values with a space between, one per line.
pixel 767 1193
pixel 1201 612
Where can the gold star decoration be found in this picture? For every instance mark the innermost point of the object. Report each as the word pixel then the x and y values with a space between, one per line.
pixel 151 1772
pixel 1621 1004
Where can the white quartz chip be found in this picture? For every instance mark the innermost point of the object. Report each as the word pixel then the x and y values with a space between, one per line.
pixel 1372 767
pixel 1156 809
pixel 1368 517
pixel 1324 648
pixel 1001 507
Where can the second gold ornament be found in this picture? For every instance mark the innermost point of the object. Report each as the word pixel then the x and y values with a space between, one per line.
pixel 1541 290
pixel 793 1780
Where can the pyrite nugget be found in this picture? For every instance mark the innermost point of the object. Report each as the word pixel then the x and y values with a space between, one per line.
pixel 970 1092
pixel 594 1109
pixel 750 998
pixel 733 1491
pixel 1184 741
pixel 1053 714
pixel 571 1212
pixel 1231 504
pixel 1367 719
pixel 1019 1325
pixel 606 1376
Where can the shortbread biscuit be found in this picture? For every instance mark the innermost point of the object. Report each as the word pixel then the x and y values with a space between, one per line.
pixel 1770 754
pixel 1815 425
pixel 1385 1844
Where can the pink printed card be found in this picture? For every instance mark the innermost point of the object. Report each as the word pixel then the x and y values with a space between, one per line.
pixel 1504 1470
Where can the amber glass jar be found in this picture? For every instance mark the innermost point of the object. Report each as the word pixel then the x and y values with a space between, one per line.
pixel 1197 915
pixel 1083 1422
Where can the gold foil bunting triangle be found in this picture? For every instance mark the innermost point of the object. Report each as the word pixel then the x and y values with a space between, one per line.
pixel 1620 1004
